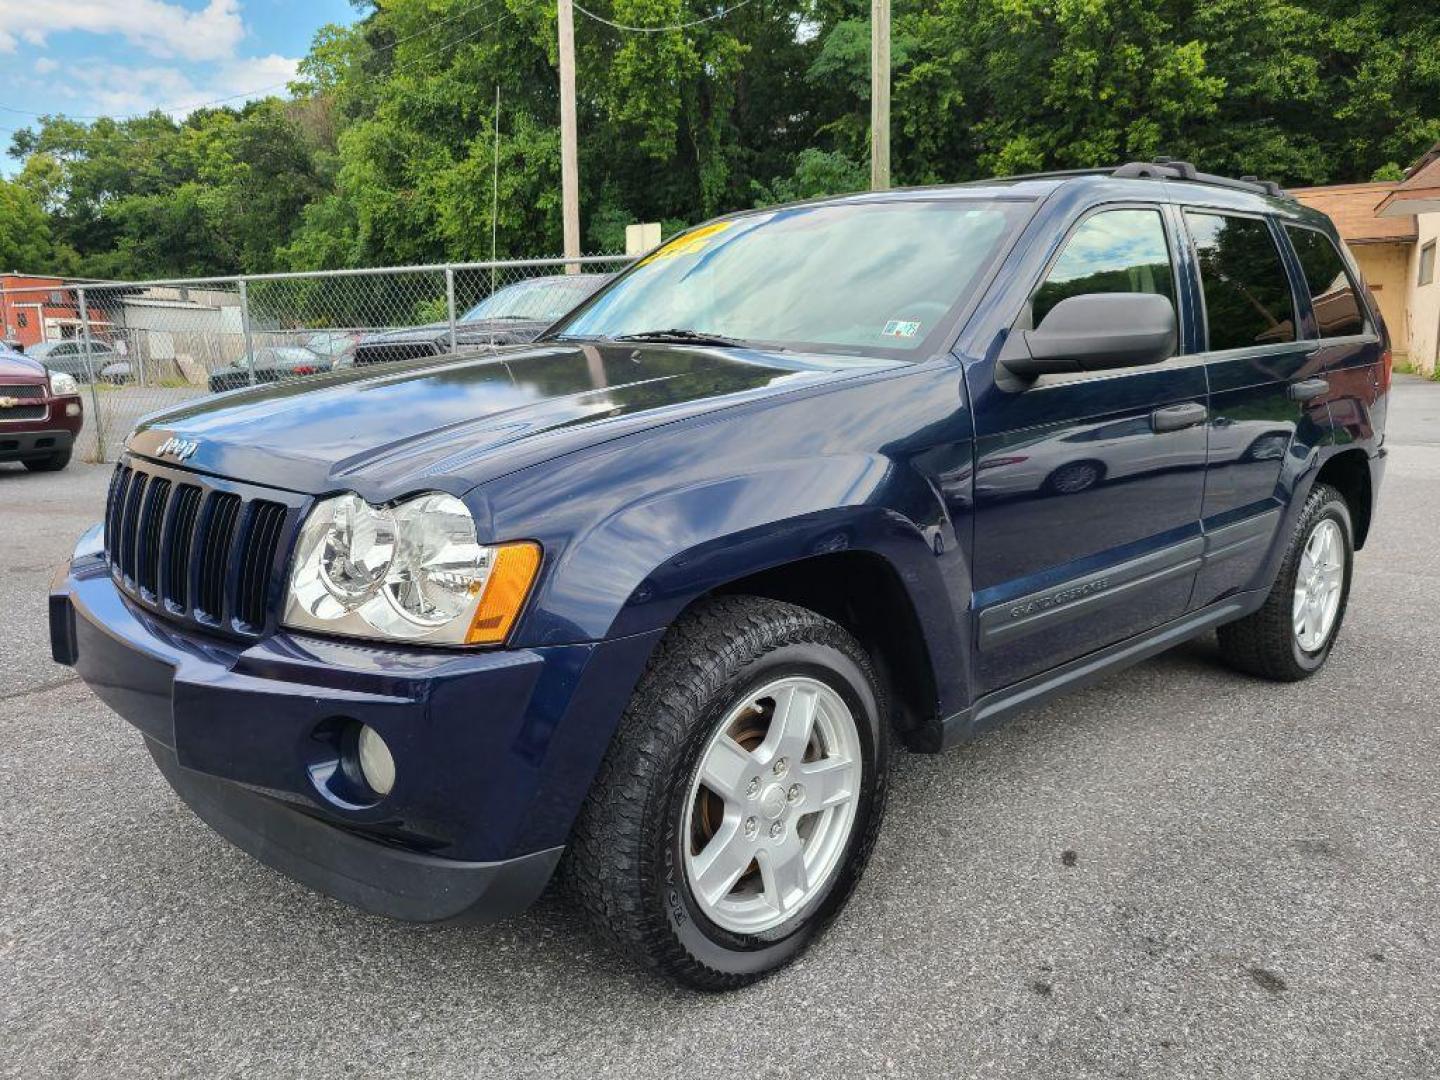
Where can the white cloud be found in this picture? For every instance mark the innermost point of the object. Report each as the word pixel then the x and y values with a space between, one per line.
pixel 162 29
pixel 98 87
pixel 45 65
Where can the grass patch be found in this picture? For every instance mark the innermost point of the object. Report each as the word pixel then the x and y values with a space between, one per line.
pixel 1404 366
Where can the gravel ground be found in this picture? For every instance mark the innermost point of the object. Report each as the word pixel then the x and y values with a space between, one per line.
pixel 1179 872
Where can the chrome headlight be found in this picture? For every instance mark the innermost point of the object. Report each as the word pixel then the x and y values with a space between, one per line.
pixel 62 385
pixel 411 572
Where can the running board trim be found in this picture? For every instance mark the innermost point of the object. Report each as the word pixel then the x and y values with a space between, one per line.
pixel 992 709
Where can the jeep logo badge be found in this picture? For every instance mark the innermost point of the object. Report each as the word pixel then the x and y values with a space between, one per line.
pixel 178 448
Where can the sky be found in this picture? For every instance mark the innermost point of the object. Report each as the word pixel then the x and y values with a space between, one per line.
pixel 123 57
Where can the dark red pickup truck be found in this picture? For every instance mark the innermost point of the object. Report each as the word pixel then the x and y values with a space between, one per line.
pixel 40 413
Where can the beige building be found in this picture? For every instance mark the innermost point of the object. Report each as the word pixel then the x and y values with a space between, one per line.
pixel 1418 198
pixel 1393 228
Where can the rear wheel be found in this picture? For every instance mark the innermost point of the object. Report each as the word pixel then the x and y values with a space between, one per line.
pixel 738 804
pixel 1290 638
pixel 53 463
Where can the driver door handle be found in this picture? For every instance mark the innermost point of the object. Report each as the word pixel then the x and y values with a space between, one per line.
pixel 1178 417
pixel 1308 389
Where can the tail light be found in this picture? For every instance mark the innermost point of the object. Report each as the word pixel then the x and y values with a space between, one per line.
pixel 305 369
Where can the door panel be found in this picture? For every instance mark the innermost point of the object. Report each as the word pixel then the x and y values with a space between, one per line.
pixel 1350 347
pixel 1060 510
pixel 1088 487
pixel 1260 440
pixel 1267 411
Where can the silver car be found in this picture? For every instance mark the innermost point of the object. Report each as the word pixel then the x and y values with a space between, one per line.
pixel 72 358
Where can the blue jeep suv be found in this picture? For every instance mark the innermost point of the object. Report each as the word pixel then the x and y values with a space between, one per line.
pixel 647 601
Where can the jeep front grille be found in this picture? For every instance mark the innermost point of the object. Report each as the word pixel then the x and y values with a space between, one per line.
pixel 194 549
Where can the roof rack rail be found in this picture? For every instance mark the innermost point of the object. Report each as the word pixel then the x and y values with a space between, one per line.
pixel 1049 174
pixel 1163 168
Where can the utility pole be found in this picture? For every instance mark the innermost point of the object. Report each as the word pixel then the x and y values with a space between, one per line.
pixel 495 190
pixel 879 95
pixel 569 164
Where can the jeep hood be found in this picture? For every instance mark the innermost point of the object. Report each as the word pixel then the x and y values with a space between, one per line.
pixel 450 423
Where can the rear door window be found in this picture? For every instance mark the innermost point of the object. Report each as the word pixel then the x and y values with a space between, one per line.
pixel 1247 292
pixel 1333 295
pixel 1112 251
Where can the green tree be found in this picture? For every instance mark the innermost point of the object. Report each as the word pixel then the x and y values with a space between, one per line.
pixel 386 152
pixel 25 240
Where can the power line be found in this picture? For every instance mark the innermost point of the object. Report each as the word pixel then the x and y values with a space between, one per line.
pixel 660 29
pixel 259 90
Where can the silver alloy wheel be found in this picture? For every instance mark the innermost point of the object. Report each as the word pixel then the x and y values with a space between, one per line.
pixel 1319 584
pixel 772 804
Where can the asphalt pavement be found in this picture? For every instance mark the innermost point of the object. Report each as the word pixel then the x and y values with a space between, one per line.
pixel 1180 872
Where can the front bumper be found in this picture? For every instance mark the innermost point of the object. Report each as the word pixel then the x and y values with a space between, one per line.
pixel 19 445
pixel 494 750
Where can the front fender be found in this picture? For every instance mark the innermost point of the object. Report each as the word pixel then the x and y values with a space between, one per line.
pixel 634 569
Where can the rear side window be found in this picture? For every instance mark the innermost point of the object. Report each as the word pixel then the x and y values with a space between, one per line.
pixel 1112 251
pixel 1247 293
pixel 1332 294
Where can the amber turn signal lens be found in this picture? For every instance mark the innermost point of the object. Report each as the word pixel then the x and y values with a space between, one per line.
pixel 505 591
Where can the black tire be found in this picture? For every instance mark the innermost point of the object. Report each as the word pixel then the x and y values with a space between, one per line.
pixel 625 864
pixel 54 463
pixel 1265 643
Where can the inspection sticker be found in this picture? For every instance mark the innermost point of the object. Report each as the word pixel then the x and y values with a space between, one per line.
pixel 901 328
pixel 688 243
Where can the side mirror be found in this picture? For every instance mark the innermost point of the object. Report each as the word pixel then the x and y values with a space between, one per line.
pixel 1094 332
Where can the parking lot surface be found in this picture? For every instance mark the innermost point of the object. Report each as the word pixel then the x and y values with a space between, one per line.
pixel 1180 872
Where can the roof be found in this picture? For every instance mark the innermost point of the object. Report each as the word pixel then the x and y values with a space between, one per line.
pixel 1419 192
pixel 1354 210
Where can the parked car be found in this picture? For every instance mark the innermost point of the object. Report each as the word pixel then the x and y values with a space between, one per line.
pixel 72 358
pixel 654 597
pixel 333 345
pixel 513 315
pixel 270 364
pixel 40 413
pixel 118 373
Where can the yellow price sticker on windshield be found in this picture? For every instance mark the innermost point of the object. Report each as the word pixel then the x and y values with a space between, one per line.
pixel 689 243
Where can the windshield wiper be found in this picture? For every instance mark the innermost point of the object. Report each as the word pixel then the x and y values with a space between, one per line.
pixel 685 337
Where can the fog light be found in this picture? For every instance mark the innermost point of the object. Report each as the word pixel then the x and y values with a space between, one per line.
pixel 377 764
pixel 72 409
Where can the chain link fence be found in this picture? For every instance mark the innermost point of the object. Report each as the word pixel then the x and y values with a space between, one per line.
pixel 137 347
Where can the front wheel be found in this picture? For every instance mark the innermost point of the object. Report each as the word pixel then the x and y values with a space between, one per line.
pixel 1290 638
pixel 739 801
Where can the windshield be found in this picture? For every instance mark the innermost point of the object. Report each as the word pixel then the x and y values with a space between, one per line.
pixel 542 300
pixel 837 276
